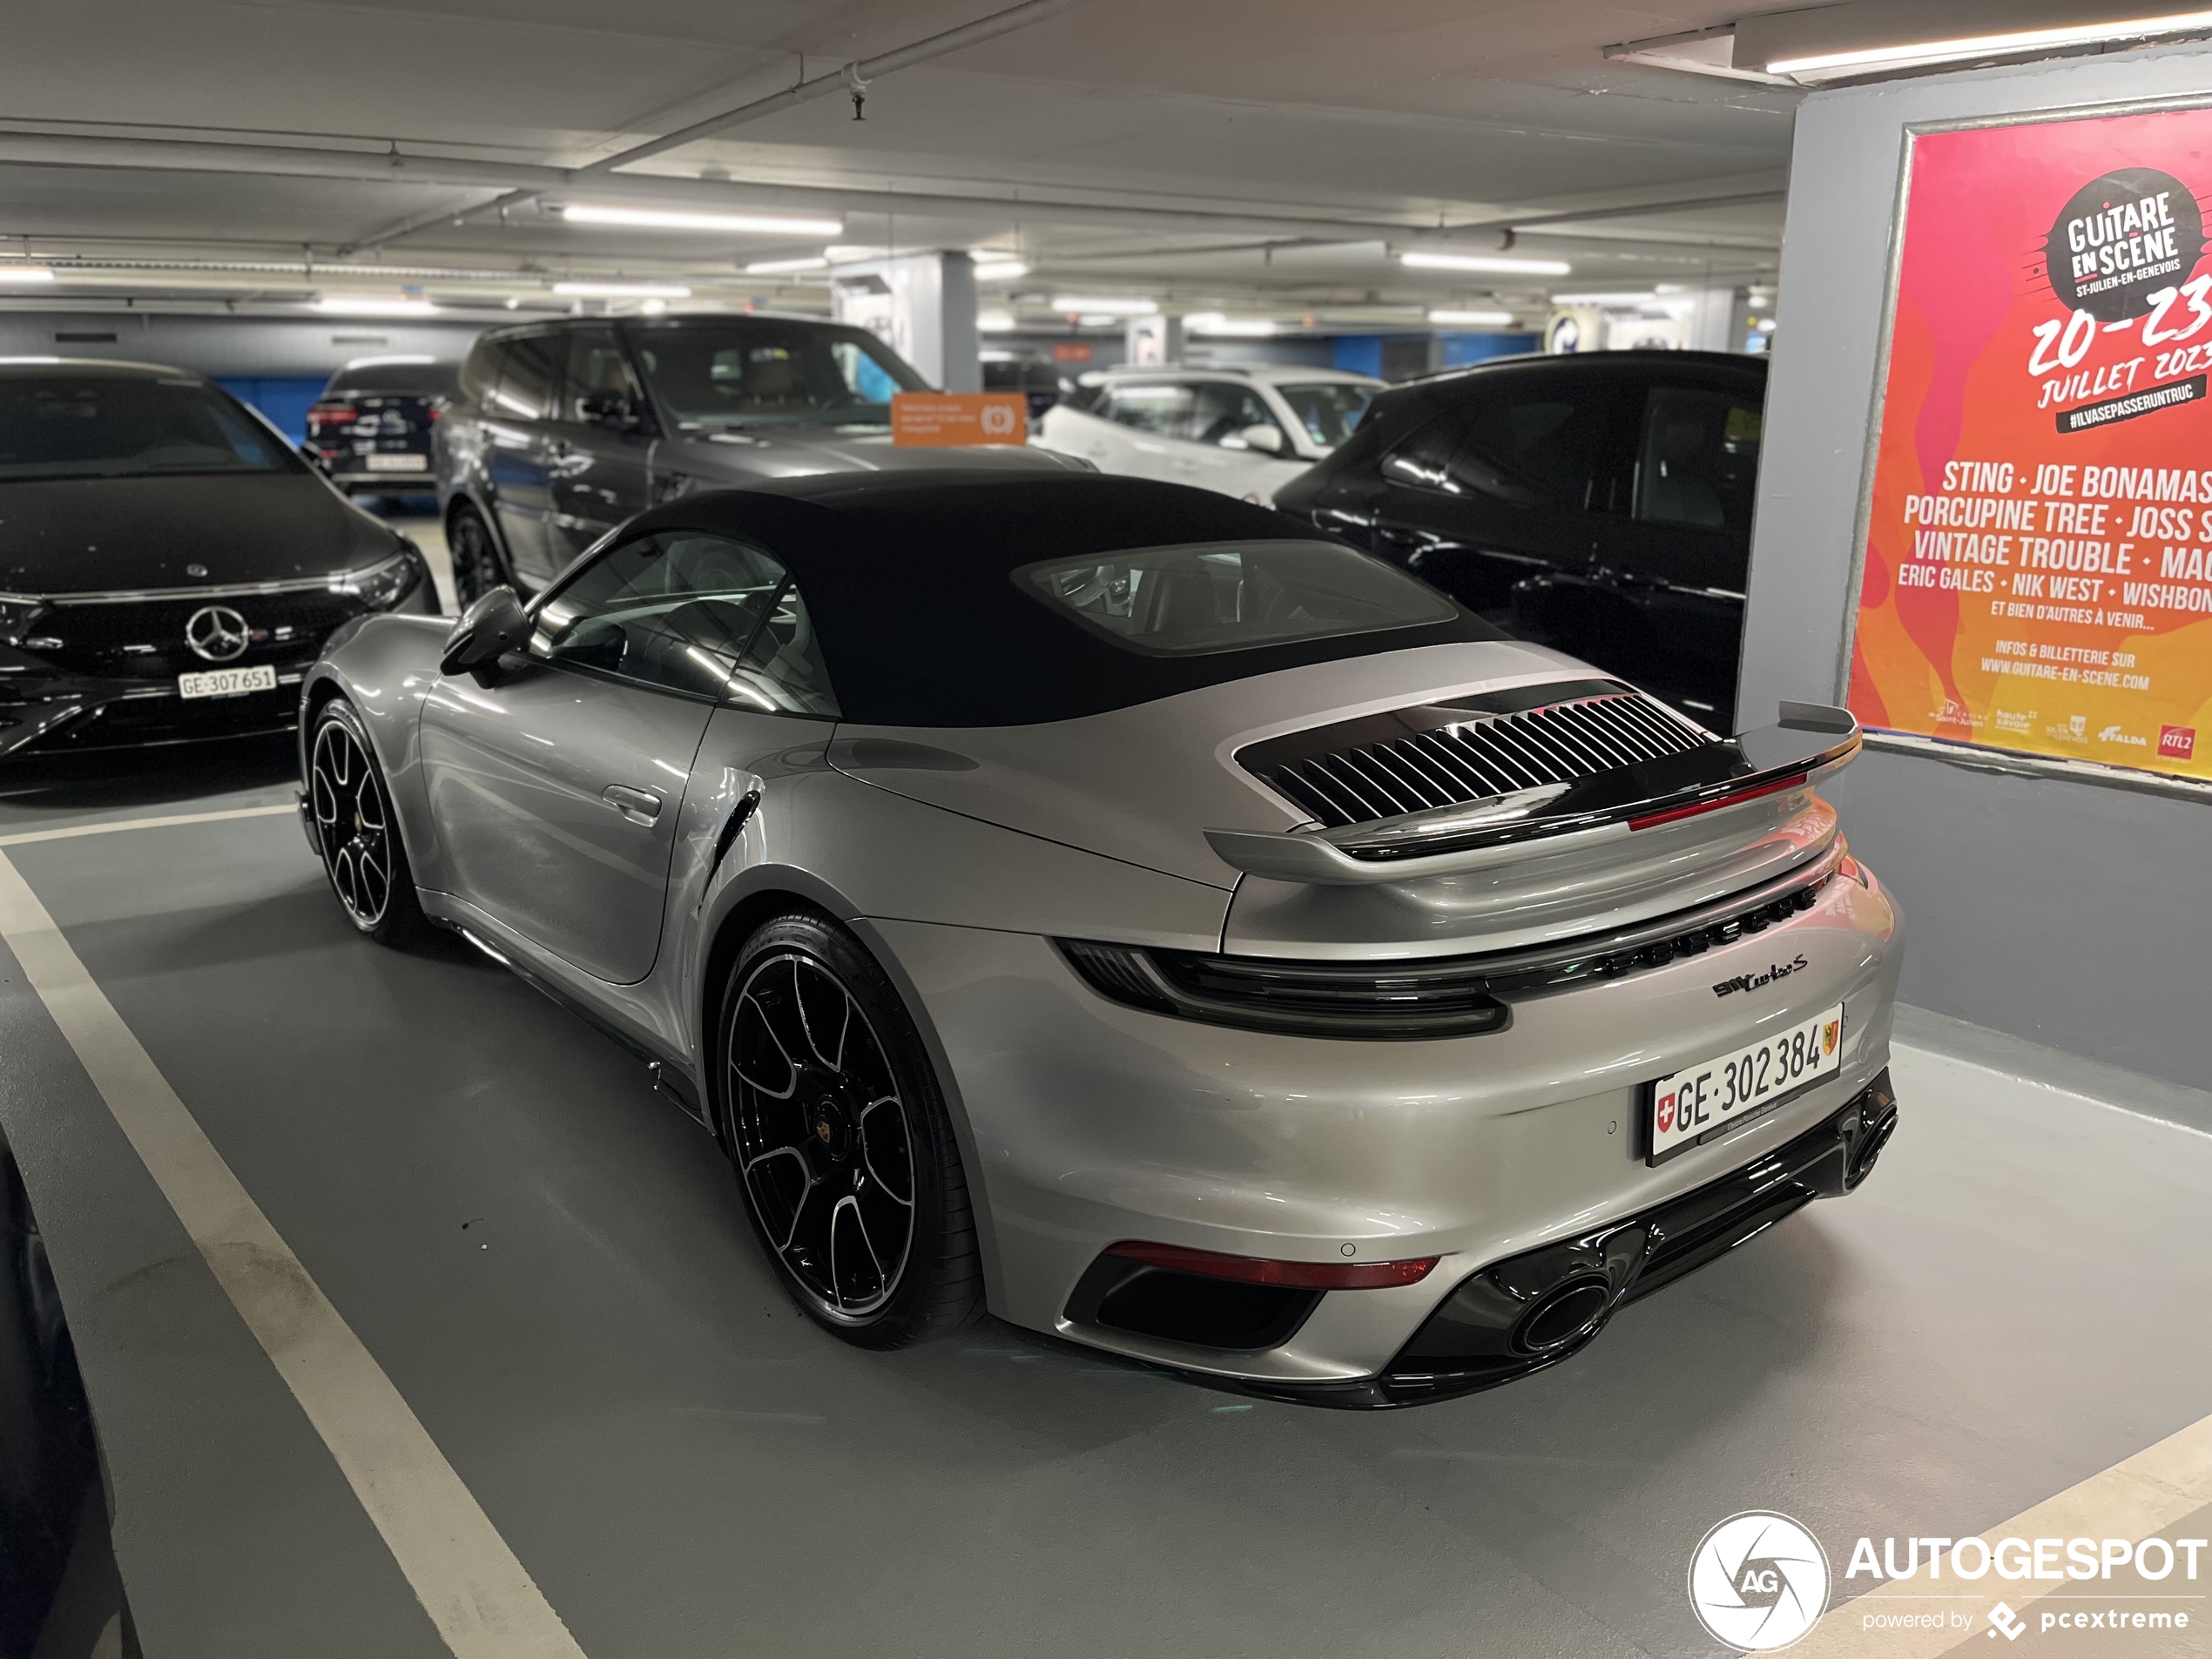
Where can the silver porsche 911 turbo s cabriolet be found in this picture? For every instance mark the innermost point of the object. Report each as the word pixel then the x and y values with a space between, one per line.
pixel 1119 907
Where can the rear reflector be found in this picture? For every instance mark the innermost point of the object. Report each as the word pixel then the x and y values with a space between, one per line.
pixel 1716 803
pixel 1253 1270
pixel 338 416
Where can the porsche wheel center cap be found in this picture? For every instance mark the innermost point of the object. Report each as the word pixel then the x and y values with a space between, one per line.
pixel 833 1129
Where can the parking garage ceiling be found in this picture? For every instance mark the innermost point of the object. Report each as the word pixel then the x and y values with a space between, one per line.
pixel 1278 158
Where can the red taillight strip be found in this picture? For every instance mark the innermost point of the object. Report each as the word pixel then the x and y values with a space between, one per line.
pixel 1253 1270
pixel 1715 805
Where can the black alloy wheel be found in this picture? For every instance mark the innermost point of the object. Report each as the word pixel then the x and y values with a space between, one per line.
pixel 361 851
pixel 476 557
pixel 842 1143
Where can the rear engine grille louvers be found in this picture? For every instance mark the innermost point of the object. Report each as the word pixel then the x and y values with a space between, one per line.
pixel 1419 760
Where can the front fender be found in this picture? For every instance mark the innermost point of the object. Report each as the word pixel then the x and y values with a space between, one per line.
pixel 385 666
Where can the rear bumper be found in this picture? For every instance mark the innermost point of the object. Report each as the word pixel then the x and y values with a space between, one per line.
pixel 1090 1123
pixel 1534 1310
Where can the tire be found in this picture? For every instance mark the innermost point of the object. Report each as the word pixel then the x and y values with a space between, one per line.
pixel 825 1131
pixel 357 831
pixel 477 567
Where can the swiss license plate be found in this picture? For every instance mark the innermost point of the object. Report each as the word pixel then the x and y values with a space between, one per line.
pixel 228 682
pixel 1715 1095
pixel 399 463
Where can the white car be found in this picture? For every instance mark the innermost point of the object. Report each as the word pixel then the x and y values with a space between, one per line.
pixel 1245 432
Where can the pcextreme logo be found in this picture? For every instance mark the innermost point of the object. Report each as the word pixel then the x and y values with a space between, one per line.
pixel 1758 1581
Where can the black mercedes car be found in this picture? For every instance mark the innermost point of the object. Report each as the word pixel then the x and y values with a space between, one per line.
pixel 169 565
pixel 371 429
pixel 1600 503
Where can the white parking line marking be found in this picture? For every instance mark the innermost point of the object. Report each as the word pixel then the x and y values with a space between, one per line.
pixel 482 1599
pixel 2136 1498
pixel 110 825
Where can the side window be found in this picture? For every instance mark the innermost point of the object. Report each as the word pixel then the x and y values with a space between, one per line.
pixel 1157 409
pixel 526 376
pixel 691 613
pixel 1698 458
pixel 1542 447
pixel 783 669
pixel 1220 413
pixel 597 368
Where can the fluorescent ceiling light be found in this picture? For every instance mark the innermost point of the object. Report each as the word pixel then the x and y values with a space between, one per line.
pixel 1472 319
pixel 772 268
pixel 25 274
pixel 654 307
pixel 1486 262
pixel 656 219
pixel 1646 298
pixel 2019 40
pixel 371 363
pixel 1000 270
pixel 1103 305
pixel 1212 322
pixel 995 322
pixel 622 290
pixel 1098 319
pixel 370 304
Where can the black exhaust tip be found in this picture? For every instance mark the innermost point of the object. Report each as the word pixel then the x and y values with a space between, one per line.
pixel 1566 1315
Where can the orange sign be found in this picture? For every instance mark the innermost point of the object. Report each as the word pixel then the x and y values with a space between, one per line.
pixel 2039 553
pixel 939 419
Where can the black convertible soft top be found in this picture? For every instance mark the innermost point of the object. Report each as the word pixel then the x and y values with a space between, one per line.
pixel 908 577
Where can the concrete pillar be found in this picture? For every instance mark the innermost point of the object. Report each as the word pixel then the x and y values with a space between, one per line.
pixel 1155 340
pixel 923 307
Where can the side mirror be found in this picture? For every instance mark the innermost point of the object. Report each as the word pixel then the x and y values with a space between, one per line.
pixel 609 409
pixel 1265 437
pixel 487 631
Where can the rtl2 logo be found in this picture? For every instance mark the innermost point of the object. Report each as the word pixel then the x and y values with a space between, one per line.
pixel 2177 743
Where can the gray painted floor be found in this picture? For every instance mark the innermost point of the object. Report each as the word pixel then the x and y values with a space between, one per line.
pixel 552 1264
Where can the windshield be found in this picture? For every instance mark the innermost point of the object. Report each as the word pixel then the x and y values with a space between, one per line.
pixel 759 373
pixel 1230 596
pixel 1328 409
pixel 111 427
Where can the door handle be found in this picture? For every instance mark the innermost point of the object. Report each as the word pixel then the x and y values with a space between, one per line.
pixel 639 806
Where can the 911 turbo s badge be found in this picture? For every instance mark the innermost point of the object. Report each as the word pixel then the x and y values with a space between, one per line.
pixel 1752 982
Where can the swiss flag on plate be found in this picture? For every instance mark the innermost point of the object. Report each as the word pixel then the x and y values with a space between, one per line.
pixel 1666 1113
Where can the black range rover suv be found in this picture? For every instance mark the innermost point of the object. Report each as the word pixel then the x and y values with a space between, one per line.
pixel 169 565
pixel 1600 503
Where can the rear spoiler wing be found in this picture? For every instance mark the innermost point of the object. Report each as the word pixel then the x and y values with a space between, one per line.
pixel 1810 741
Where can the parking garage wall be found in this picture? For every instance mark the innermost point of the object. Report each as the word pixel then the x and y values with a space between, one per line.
pixel 2075 914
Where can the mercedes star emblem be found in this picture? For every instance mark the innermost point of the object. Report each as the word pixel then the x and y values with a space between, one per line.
pixel 217 633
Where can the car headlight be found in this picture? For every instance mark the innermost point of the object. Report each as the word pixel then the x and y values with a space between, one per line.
pixel 382 586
